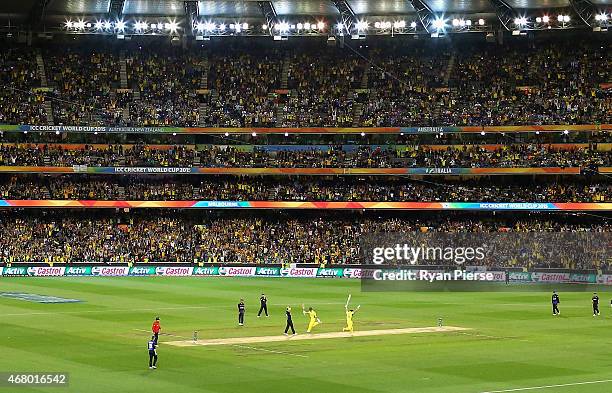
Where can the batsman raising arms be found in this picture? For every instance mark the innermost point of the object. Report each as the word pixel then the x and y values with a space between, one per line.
pixel 314 321
pixel 349 316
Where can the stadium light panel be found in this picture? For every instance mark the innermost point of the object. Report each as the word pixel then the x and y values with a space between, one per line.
pixel 413 24
pixel 377 25
pixel 209 26
pixel 108 25
pixel 321 25
pixel 601 17
pixel 172 26
pixel 98 25
pixel 481 22
pixel 227 134
pixel 264 27
pixel 286 134
pixel 363 134
pixel 340 26
pixel 120 25
pixel 222 27
pixel 232 26
pixel 283 26
pixel 545 19
pixel 245 26
pixel 468 22
pixel 521 21
pixel 538 20
pixel 439 23
pixel 200 26
pixel 455 22
pixel 68 24
pixel 362 25
pixel 254 134
pixel 566 18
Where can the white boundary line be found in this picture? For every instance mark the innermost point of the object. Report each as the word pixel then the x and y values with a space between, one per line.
pixel 549 386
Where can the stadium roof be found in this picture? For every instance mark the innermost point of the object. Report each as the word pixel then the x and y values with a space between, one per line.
pixel 249 8
pixel 51 12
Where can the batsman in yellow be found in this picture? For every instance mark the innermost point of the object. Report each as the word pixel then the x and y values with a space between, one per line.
pixel 314 321
pixel 349 319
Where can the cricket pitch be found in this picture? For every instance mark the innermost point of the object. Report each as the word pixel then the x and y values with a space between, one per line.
pixel 314 336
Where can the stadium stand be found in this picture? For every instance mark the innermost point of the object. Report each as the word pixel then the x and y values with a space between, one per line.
pixel 349 156
pixel 277 238
pixel 164 188
pixel 541 82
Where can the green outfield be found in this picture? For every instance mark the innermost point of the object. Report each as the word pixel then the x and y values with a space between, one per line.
pixel 514 342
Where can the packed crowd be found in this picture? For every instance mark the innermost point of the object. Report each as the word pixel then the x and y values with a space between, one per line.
pixel 303 189
pixel 242 90
pixel 55 237
pixel 96 156
pixel 321 91
pixel 84 85
pixel 347 156
pixel 166 81
pixel 538 84
pixel 390 84
pixel 18 75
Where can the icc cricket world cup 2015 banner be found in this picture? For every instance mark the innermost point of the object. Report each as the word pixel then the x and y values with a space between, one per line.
pixel 486 206
pixel 304 130
pixel 291 171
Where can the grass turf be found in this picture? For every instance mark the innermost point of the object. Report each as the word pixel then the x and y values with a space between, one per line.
pixel 515 342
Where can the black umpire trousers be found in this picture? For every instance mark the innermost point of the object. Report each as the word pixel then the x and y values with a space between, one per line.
pixel 264 307
pixel 241 317
pixel 152 358
pixel 555 309
pixel 289 325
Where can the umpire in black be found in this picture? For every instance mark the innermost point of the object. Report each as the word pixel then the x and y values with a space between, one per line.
pixel 152 353
pixel 289 321
pixel 555 303
pixel 263 301
pixel 241 312
pixel 595 300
